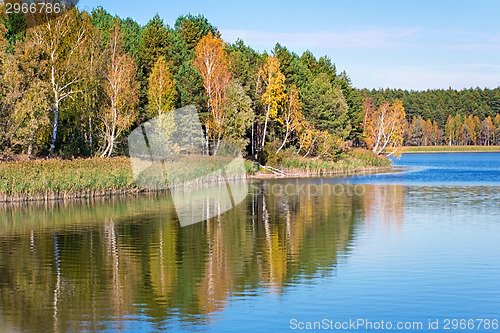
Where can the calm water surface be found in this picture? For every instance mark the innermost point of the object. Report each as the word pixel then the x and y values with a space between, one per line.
pixel 408 246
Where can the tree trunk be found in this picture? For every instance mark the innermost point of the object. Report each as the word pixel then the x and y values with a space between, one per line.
pixel 30 146
pixel 283 144
pixel 309 150
pixel 265 128
pixel 252 138
pixel 111 145
pixel 54 131
pixel 113 133
pixel 217 145
pixel 302 143
pixel 90 132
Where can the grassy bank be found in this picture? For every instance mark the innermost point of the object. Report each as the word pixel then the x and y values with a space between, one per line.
pixel 83 178
pixel 448 149
pixel 354 161
pixel 59 179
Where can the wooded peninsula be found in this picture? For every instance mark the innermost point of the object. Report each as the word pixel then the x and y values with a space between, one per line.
pixel 78 84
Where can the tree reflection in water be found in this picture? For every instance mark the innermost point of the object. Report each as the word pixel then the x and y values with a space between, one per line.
pixel 100 264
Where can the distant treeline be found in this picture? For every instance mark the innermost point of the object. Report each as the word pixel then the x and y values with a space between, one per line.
pixel 451 117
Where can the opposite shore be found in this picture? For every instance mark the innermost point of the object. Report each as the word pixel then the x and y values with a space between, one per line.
pixel 447 149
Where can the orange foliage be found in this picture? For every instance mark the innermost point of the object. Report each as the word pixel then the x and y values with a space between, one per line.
pixel 212 64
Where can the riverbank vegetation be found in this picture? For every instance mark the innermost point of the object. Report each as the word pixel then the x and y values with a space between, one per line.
pixel 74 89
pixel 49 179
pixel 60 179
pixel 353 161
pixel 78 86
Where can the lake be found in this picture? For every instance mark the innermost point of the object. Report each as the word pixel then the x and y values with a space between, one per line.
pixel 417 249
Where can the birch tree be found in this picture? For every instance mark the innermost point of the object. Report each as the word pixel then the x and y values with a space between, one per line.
pixel 211 63
pixel 63 39
pixel 306 137
pixel 94 57
pixel 384 127
pixel 161 92
pixel 292 117
pixel 274 94
pixel 122 92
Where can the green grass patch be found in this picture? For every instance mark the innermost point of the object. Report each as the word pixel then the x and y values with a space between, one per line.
pixel 354 160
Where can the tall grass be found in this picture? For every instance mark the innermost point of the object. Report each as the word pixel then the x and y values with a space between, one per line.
pixel 54 179
pixel 356 160
pixel 82 178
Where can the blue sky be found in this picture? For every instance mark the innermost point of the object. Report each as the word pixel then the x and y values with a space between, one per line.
pixel 415 45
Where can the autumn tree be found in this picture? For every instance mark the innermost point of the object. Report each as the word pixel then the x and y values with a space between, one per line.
pixel 161 93
pixel 384 128
pixel 487 131
pixel 31 116
pixel 306 136
pixel 465 135
pixel 63 39
pixel 416 131
pixel 121 91
pixel 453 129
pixel 93 78
pixel 436 134
pixel 274 94
pixel 291 117
pixel 496 132
pixel 24 98
pixel 10 90
pixel 469 130
pixel 428 135
pixel 211 63
pixel 449 131
pixel 328 144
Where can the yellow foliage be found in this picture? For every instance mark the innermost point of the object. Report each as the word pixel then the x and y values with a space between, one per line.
pixel 384 126
pixel 211 63
pixel 161 92
pixel 274 95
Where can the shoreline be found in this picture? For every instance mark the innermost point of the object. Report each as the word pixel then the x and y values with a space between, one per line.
pixel 61 180
pixel 260 175
pixel 448 149
pixel 297 173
